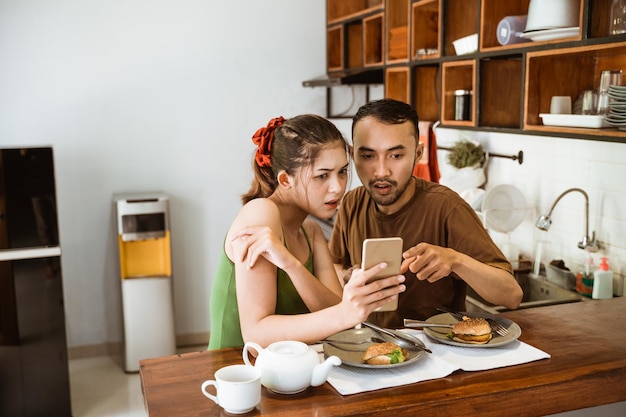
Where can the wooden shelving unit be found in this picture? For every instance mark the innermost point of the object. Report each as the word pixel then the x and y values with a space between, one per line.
pixel 411 42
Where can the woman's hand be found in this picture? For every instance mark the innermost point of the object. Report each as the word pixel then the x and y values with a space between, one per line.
pixel 361 298
pixel 253 242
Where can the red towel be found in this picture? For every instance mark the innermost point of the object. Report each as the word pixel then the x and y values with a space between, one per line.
pixel 427 167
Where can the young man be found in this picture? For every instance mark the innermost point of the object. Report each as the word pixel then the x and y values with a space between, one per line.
pixel 446 246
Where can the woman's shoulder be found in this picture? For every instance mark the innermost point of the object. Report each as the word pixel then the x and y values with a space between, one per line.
pixel 260 210
pixel 257 212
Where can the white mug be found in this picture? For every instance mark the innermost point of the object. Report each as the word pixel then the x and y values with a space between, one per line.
pixel 561 105
pixel 237 388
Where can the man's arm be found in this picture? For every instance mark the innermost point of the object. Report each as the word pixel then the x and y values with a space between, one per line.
pixel 431 263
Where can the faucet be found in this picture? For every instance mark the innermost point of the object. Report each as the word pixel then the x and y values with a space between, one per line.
pixel 545 221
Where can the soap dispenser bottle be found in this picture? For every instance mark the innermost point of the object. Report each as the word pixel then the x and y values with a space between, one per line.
pixel 602 281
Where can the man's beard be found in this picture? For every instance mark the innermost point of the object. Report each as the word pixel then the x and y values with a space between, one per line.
pixel 389 199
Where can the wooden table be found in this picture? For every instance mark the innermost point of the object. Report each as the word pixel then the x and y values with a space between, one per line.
pixel 587 341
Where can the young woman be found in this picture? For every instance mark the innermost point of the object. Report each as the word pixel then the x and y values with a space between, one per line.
pixel 276 280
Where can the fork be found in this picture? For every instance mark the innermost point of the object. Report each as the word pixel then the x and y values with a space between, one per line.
pixel 495 325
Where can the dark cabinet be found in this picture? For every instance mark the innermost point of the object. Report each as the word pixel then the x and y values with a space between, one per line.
pixel 34 375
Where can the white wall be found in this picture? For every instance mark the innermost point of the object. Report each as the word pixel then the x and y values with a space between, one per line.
pixel 147 95
pixel 151 95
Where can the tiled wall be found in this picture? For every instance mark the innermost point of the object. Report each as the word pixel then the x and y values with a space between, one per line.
pixel 551 166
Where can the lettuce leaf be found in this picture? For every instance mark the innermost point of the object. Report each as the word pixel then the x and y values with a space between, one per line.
pixel 396 356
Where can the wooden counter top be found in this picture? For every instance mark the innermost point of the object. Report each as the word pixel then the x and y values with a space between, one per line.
pixel 587 341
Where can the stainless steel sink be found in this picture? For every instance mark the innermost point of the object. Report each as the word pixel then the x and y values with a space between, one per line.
pixel 538 292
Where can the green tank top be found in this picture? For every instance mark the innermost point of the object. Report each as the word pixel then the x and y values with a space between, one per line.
pixel 225 325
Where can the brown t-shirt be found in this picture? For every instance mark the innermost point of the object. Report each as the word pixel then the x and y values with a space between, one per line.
pixel 435 215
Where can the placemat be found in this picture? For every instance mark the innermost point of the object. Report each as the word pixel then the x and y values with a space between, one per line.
pixel 444 360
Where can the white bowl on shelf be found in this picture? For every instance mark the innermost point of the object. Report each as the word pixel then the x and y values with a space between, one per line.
pixel 552 14
pixel 466 45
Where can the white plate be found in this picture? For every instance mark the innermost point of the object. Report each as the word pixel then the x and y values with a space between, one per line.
pixel 574 120
pixel 504 207
pixel 618 123
pixel 614 96
pixel 550 34
pixel 352 354
pixel 440 334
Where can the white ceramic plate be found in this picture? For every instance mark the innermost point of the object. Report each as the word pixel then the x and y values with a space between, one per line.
pixel 574 120
pixel 614 117
pixel 352 354
pixel 504 207
pixel 617 95
pixel 550 34
pixel 618 123
pixel 440 334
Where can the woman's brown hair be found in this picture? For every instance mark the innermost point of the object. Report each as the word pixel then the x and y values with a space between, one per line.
pixel 288 145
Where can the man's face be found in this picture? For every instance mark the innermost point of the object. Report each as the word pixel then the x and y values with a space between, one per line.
pixel 384 158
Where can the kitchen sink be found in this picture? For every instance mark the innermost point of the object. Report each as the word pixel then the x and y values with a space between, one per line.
pixel 538 292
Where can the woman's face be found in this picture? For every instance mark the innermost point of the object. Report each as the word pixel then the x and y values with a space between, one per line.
pixel 325 181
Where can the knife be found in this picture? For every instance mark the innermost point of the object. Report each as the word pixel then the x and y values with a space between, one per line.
pixel 408 342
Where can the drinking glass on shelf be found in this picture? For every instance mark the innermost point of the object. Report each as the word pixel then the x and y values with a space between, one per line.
pixel 589 102
pixel 618 17
pixel 607 79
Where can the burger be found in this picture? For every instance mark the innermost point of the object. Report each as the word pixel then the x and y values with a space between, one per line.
pixel 384 354
pixel 474 330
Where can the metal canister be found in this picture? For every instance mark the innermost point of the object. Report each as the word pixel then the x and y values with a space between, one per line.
pixel 462 104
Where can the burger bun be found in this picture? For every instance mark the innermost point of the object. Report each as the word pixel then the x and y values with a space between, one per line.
pixel 473 330
pixel 382 353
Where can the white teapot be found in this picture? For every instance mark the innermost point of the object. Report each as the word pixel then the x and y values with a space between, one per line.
pixel 290 367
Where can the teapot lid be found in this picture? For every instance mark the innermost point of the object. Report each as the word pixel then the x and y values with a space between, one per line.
pixel 288 348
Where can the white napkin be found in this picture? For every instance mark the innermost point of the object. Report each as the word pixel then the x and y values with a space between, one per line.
pixel 444 360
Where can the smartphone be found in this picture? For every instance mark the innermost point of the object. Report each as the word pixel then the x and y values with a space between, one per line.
pixel 389 250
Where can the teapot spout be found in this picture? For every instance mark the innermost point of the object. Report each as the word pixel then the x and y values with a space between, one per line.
pixel 321 371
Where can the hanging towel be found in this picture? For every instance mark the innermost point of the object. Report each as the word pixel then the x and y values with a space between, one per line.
pixel 427 167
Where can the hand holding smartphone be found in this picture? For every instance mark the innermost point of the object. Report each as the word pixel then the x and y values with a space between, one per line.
pixel 387 250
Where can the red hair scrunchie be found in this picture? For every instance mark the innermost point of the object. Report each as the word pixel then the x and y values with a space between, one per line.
pixel 263 139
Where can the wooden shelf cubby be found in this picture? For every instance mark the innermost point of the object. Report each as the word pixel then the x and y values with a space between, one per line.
pixel 492 12
pixel 457 75
pixel 425 29
pixel 397 14
pixel 398 83
pixel 567 72
pixel 334 48
pixel 342 10
pixel 373 40
pixel 354 42
pixel 460 20
pixel 500 96
pixel 427 91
